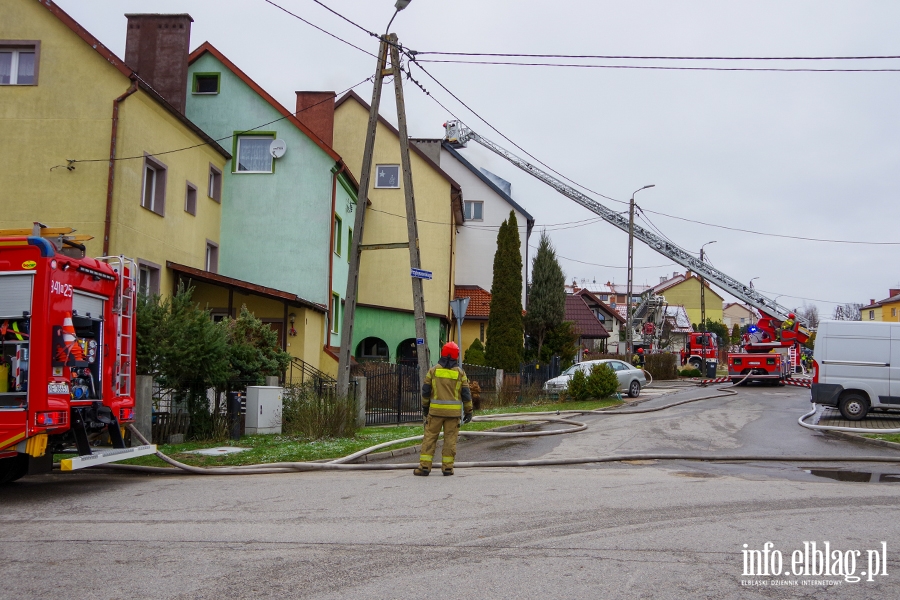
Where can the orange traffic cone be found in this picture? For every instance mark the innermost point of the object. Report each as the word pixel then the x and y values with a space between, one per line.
pixel 72 347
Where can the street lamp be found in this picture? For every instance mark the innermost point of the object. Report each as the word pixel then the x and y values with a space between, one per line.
pixel 751 282
pixel 399 5
pixel 629 334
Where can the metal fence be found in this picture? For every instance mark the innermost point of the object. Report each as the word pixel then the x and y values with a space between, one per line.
pixel 538 373
pixel 393 392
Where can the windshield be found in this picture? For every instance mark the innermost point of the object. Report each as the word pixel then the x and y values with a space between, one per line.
pixel 570 370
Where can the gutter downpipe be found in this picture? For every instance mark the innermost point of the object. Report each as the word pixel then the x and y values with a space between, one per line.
pixel 113 142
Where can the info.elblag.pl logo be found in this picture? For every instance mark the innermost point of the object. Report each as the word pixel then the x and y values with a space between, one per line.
pixel 813 560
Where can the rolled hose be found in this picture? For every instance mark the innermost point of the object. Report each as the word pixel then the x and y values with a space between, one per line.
pixel 341 464
pixel 803 423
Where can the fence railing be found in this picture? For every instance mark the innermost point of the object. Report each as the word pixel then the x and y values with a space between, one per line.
pixel 393 392
pixel 300 372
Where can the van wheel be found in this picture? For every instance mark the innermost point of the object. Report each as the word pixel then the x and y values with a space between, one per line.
pixel 854 407
pixel 634 390
pixel 13 468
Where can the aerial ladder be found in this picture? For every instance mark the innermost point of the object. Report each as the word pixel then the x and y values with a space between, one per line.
pixel 768 335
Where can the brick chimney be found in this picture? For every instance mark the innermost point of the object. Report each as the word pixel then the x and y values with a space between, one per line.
pixel 157 47
pixel 316 111
pixel 894 293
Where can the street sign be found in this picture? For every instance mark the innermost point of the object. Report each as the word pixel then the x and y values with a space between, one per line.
pixel 459 307
pixel 420 342
pixel 420 273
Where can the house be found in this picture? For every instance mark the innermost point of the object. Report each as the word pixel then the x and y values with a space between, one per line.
pixel 90 143
pixel 611 320
pixel 735 313
pixel 676 329
pixel 384 326
pixel 883 310
pixel 613 294
pixel 488 202
pixel 684 290
pixel 287 217
pixel 474 326
pixel 587 326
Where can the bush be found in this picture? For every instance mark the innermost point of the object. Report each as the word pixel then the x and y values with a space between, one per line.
pixel 602 382
pixel 690 373
pixel 661 366
pixel 317 414
pixel 577 388
pixel 475 354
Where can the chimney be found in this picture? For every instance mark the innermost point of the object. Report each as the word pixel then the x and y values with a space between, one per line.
pixel 871 301
pixel 156 47
pixel 662 279
pixel 894 293
pixel 316 111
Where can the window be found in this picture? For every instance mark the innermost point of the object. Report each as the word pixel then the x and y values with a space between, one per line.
pixel 871 315
pixel 349 243
pixel 148 278
pixel 474 210
pixel 253 153
pixel 387 176
pixel 190 199
pixel 18 63
pixel 337 235
pixel 206 83
pixel 742 320
pixel 893 312
pixel 153 194
pixel 214 186
pixel 604 297
pixel 212 257
pixel 335 312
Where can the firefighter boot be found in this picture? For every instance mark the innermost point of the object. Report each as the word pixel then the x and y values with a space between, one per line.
pixel 446 471
pixel 421 471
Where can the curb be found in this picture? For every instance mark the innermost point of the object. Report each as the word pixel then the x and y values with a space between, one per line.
pixel 855 437
pixel 416 449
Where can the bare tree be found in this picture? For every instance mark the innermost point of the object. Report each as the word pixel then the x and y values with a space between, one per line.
pixel 810 314
pixel 852 311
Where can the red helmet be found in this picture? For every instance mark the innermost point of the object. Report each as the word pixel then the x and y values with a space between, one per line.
pixel 791 315
pixel 451 350
pixel 640 350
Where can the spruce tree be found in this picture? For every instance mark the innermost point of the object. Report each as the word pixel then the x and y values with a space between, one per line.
pixel 505 330
pixel 547 297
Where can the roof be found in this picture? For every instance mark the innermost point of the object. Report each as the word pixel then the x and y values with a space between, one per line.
pixel 600 304
pixel 676 315
pixel 127 71
pixel 587 325
pixel 677 279
pixel 489 182
pixel 251 288
pixel 454 187
pixel 206 47
pixel 479 301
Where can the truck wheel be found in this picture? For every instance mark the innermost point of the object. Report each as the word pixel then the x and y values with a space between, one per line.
pixel 634 390
pixel 854 407
pixel 13 468
pixel 696 364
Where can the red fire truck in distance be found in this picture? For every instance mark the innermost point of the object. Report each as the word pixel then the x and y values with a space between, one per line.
pixel 770 352
pixel 67 333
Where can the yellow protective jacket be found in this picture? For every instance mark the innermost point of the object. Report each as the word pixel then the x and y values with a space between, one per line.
pixel 445 392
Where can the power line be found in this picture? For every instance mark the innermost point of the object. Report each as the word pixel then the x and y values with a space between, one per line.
pixel 802 298
pixel 334 12
pixel 227 137
pixel 626 57
pixel 658 67
pixel 296 16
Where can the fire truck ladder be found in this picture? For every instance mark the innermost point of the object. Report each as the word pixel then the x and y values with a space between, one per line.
pixel 123 308
pixel 457 135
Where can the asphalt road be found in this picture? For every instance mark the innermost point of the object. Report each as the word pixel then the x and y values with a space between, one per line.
pixel 667 529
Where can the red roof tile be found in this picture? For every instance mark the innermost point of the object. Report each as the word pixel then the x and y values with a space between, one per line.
pixel 479 303
pixel 587 325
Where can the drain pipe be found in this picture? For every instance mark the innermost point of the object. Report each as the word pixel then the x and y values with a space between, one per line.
pixel 113 143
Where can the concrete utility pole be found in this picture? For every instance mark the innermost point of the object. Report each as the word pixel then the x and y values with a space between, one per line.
pixel 629 326
pixel 388 44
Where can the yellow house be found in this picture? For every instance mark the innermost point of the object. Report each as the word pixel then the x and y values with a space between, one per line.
pixel 88 144
pixel 384 325
pixel 684 290
pixel 890 307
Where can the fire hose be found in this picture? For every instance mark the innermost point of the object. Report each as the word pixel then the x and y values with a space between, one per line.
pixel 553 417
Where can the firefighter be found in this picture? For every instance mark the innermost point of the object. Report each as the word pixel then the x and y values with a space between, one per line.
pixel 445 396
pixel 787 325
pixel 638 359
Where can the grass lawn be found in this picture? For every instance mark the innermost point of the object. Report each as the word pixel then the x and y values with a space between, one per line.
pixel 290 448
pixel 888 437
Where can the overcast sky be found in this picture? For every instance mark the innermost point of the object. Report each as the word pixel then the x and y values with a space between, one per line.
pixel 806 154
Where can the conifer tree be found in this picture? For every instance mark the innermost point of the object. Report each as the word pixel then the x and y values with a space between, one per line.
pixel 547 297
pixel 505 343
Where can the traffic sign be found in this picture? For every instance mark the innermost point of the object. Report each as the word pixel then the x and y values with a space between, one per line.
pixel 420 273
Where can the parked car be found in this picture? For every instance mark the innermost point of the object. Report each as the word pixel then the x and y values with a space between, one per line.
pixel 631 378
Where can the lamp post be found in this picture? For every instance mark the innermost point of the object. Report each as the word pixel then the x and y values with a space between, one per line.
pixel 703 307
pixel 629 327
pixel 399 5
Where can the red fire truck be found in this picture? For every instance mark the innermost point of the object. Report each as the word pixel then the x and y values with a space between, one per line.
pixel 771 351
pixel 67 333
pixel 700 347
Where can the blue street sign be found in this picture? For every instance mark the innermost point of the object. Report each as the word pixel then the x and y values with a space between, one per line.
pixel 420 342
pixel 420 273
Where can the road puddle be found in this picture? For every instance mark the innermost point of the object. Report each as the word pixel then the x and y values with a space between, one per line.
pixel 855 476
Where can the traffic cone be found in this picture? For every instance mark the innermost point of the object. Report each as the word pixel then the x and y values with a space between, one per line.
pixel 73 348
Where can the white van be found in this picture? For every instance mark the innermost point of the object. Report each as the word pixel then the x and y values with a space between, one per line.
pixel 857 367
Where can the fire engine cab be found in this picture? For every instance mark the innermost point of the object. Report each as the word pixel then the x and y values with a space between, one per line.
pixel 67 333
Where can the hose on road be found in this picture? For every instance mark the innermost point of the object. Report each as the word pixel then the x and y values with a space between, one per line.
pixel 803 423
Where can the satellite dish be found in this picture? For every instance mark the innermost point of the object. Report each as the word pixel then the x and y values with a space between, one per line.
pixel 277 148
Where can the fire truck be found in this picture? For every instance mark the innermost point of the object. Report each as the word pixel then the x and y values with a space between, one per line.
pixel 776 348
pixel 67 333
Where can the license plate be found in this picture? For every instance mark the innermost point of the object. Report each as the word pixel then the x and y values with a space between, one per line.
pixel 58 388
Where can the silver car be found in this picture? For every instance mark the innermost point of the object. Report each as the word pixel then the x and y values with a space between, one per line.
pixel 631 378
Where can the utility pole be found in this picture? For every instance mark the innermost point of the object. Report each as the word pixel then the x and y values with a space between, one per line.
pixel 629 326
pixel 388 44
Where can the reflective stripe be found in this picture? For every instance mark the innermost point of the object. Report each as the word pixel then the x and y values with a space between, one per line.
pixel 426 457
pixel 446 373
pixel 447 460
pixel 445 405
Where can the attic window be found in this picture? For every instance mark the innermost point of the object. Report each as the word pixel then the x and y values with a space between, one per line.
pixel 206 83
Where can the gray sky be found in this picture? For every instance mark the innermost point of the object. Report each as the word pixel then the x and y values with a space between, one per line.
pixel 808 154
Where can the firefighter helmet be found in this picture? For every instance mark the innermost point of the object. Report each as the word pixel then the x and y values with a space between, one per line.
pixel 450 350
pixel 640 350
pixel 791 315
